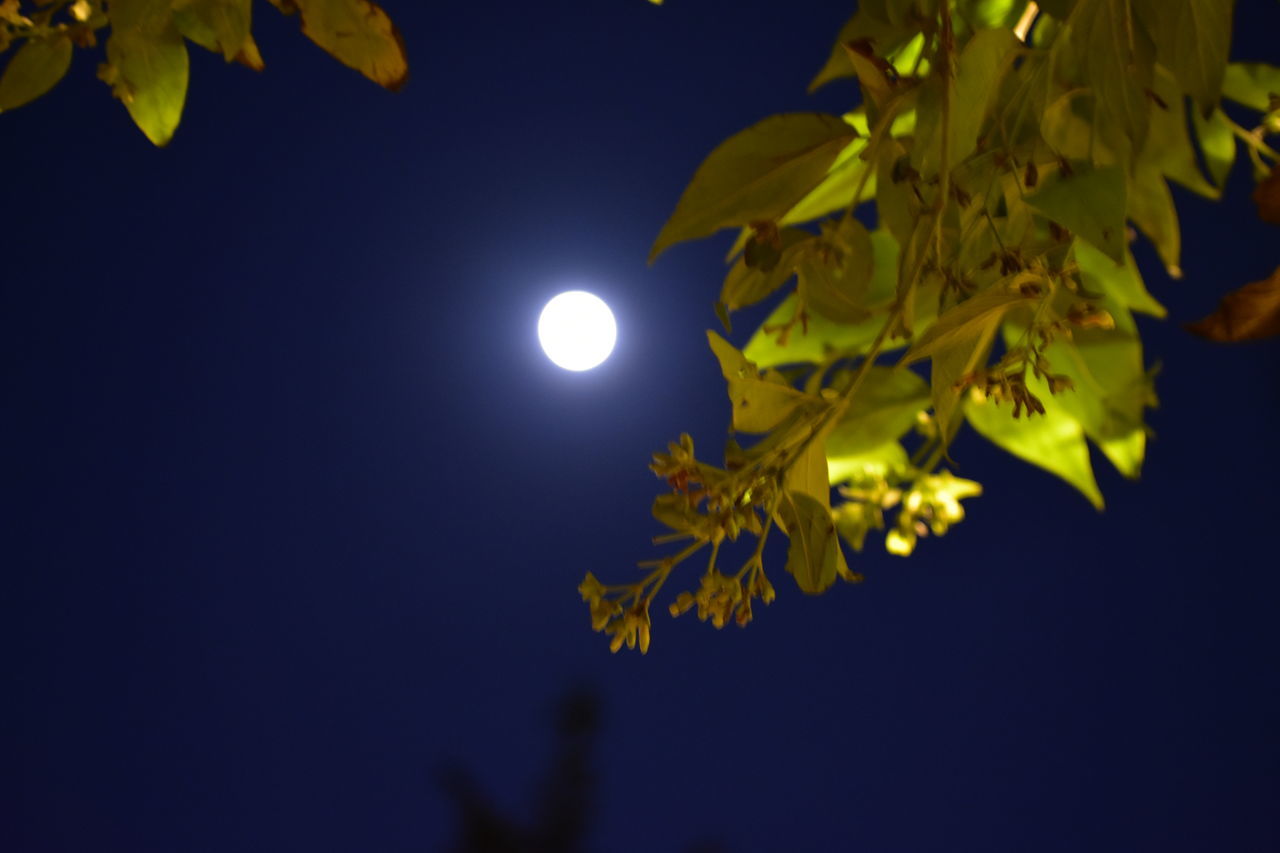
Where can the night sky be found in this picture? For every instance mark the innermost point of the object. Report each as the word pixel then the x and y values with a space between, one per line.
pixel 295 508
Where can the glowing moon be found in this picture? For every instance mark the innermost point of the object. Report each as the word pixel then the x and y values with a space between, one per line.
pixel 576 330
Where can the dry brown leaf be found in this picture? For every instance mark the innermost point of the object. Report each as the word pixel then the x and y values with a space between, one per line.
pixel 1248 314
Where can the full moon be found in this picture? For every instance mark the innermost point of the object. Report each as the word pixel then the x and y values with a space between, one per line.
pixel 576 330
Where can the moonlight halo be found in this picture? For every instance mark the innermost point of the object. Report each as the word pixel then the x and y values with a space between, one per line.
pixel 577 330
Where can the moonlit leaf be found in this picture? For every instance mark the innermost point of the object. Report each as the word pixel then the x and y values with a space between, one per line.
pixel 756 175
pixel 358 34
pixel 1053 441
pixel 1091 202
pixel 34 69
pixel 813 557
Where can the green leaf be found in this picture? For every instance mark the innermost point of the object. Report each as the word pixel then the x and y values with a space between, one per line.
pixel 758 404
pixel 812 341
pixel 1217 143
pixel 756 175
pixel 1091 202
pixel 1121 282
pixel 1117 59
pixel 979 73
pixel 948 370
pixel 1248 314
pixel 870 23
pixel 149 66
pixel 745 285
pixel 809 475
pixel 220 26
pixel 358 34
pixel 1193 38
pixel 875 463
pixel 976 316
pixel 1169 144
pixel 35 68
pixel 983 14
pixel 1112 390
pixel 1150 207
pixel 883 408
pixel 1251 84
pixel 813 557
pixel 1053 441
pixel 835 272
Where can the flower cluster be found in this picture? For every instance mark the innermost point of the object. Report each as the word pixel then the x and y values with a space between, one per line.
pixel 931 505
pixel 627 625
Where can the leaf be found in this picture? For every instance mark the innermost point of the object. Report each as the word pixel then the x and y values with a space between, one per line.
pixel 150 66
pixel 1217 143
pixel 835 272
pixel 979 72
pixel 1248 314
pixel 808 474
pixel 1121 282
pixel 1091 202
pixel 876 462
pixel 1168 144
pixel 974 317
pixel 1053 441
pixel 870 23
pixel 883 408
pixel 745 285
pixel 758 404
pixel 842 180
pixel 358 34
pixel 1150 206
pixel 1117 58
pixel 220 26
pixel 1251 84
pixel 1266 195
pixel 756 175
pixel 1193 38
pixel 947 372
pixel 813 557
pixel 35 68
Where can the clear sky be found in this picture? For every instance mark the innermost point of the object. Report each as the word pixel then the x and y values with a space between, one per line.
pixel 295 508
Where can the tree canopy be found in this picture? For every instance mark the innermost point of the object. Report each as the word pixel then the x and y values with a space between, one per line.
pixel 955 251
pixel 145 61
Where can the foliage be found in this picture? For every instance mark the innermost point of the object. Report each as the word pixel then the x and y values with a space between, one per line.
pixel 975 210
pixel 146 63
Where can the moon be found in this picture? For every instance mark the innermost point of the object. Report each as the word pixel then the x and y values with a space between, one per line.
pixel 577 330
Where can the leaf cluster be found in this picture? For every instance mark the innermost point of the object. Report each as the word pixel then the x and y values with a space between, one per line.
pixel 145 46
pixel 954 250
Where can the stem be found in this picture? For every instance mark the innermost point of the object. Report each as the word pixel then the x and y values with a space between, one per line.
pixel 1250 138
pixel 1023 26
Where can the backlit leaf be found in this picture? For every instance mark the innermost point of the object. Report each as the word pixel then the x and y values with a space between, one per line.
pixel 1150 207
pixel 1053 441
pixel 1248 314
pixel 1091 202
pixel 1194 37
pixel 746 286
pixel 813 557
pixel 149 60
pixel 758 403
pixel 358 34
pixel 35 68
pixel 979 72
pixel 1117 58
pixel 221 26
pixel 835 272
pixel 882 409
pixel 756 175
pixel 1121 282
pixel 1251 84
pixel 974 317
pixel 1217 143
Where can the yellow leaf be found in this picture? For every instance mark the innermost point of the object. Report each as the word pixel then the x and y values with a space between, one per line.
pixel 150 65
pixel 35 69
pixel 358 34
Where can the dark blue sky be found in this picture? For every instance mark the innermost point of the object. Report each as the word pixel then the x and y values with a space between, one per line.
pixel 295 509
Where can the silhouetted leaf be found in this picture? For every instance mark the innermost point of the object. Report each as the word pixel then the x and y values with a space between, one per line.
pixel 1248 314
